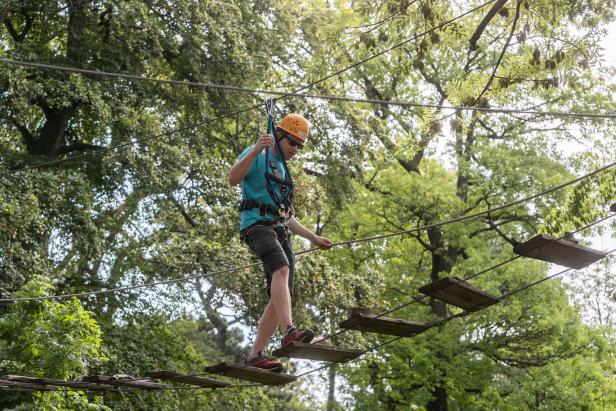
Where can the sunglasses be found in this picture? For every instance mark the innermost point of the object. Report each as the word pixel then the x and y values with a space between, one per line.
pixel 294 143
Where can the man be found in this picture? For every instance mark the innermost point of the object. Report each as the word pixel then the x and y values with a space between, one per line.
pixel 267 192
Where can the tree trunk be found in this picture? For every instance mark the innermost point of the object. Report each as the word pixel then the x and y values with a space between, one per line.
pixel 51 135
pixel 439 403
pixel 443 258
pixel 218 323
pixel 331 395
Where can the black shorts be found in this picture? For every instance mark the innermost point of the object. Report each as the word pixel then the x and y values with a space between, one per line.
pixel 273 246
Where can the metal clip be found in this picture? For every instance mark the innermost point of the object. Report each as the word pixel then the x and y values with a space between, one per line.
pixel 270 106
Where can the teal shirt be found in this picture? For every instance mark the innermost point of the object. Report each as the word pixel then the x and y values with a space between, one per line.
pixel 253 186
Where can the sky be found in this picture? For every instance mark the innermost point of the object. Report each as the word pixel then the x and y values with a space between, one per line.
pixel 609 44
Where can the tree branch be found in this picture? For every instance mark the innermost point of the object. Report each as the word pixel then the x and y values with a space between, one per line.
pixel 25 133
pixel 430 79
pixel 183 211
pixel 500 58
pixel 18 37
pixel 484 23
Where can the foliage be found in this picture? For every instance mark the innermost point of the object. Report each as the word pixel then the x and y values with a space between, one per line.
pixel 160 208
pixel 49 339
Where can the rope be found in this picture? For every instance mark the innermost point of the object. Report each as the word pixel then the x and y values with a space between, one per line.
pixel 434 323
pixel 286 189
pixel 236 88
pixel 591 115
pixel 283 95
pixel 459 315
pixel 60 388
pixel 239 89
pixel 475 275
pixel 469 216
pixel 423 297
pixel 359 240
pixel 127 144
pixel 380 345
pixel 131 287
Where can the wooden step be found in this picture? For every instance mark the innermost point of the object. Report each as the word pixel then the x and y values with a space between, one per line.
pixel 363 319
pixel 58 383
pixel 187 379
pixel 318 352
pixel 456 291
pixel 122 380
pixel 247 373
pixel 559 251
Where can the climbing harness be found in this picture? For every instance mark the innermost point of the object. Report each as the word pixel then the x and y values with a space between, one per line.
pixel 264 209
pixel 282 210
pixel 285 185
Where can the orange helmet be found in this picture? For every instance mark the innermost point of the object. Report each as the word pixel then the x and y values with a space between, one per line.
pixel 296 125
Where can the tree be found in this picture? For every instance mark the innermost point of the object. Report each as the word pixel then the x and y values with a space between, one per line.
pixel 49 339
pixel 507 54
pixel 160 207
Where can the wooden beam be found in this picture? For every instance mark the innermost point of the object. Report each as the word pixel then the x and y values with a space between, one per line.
pixel 187 379
pixel 559 251
pixel 456 291
pixel 122 380
pixel 247 373
pixel 28 386
pixel 318 352
pixel 362 319
pixel 59 383
pixel 7 388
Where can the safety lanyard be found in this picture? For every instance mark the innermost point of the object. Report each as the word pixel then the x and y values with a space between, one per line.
pixel 285 186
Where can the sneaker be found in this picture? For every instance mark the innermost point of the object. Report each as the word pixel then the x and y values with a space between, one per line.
pixel 295 335
pixel 265 362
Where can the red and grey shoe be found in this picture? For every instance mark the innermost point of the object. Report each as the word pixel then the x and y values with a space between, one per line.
pixel 265 362
pixel 295 335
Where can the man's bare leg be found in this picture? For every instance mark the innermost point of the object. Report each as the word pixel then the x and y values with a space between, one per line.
pixel 267 326
pixel 280 301
pixel 280 296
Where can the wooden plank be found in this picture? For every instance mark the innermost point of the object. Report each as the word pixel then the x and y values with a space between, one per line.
pixel 367 321
pixel 123 381
pixel 7 388
pixel 318 352
pixel 28 386
pixel 559 251
pixel 187 379
pixel 59 383
pixel 456 291
pixel 247 373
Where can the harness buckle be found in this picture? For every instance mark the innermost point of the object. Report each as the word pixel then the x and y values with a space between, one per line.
pixel 289 212
pixel 262 209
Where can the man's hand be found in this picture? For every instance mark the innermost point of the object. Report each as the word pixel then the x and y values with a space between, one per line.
pixel 322 242
pixel 266 140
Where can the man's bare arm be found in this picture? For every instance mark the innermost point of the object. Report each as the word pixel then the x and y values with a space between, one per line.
pixel 297 228
pixel 241 168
